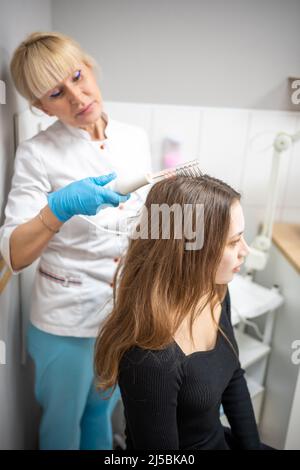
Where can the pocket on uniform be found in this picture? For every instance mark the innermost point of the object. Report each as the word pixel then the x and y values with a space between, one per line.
pixel 59 276
pixel 63 288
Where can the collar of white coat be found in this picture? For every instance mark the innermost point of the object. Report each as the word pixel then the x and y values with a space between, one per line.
pixel 82 134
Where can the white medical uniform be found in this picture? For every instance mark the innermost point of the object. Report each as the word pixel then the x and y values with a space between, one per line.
pixel 73 285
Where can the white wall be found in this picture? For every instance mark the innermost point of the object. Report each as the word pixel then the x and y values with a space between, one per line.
pixel 233 53
pixel 17 410
pixel 280 419
pixel 231 144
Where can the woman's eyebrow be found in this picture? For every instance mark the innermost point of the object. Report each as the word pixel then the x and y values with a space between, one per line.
pixel 58 87
pixel 237 234
pixel 61 84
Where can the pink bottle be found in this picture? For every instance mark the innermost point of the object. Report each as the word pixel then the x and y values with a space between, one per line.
pixel 171 155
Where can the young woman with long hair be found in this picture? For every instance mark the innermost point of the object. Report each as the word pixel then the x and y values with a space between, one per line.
pixel 169 342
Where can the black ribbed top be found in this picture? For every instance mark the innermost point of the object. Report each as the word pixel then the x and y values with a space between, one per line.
pixel 172 401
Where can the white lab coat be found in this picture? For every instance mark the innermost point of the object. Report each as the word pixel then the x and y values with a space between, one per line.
pixel 73 284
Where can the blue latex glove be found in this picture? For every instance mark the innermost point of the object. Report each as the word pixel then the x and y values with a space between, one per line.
pixel 85 197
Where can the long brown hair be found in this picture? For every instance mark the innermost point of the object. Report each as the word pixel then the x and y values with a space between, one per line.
pixel 158 282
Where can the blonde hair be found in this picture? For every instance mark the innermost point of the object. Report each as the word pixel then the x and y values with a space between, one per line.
pixel 44 59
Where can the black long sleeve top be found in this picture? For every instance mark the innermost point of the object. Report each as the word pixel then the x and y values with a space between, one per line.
pixel 172 400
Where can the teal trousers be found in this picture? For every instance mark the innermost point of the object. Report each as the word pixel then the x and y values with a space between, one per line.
pixel 74 414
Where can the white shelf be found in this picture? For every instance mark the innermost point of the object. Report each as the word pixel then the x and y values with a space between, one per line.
pixel 250 349
pixel 250 300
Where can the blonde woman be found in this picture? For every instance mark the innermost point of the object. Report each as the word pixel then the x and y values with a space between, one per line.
pixel 65 171
pixel 169 341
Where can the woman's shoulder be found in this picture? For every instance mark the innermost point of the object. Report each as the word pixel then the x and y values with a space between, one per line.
pixel 163 359
pixel 147 371
pixel 51 134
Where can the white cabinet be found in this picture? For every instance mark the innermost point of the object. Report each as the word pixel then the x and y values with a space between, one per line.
pixel 280 418
pixel 292 441
pixel 249 301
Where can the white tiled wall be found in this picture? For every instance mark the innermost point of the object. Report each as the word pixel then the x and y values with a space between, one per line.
pixel 231 144
pixel 222 144
pixel 258 163
pixel 179 122
pixel 291 197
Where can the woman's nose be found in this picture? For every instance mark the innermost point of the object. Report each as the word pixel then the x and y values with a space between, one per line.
pixel 75 95
pixel 245 249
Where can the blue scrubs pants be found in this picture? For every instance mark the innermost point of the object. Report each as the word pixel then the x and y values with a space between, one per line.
pixel 75 414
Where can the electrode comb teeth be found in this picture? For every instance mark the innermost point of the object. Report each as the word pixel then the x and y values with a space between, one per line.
pixel 131 183
pixel 190 168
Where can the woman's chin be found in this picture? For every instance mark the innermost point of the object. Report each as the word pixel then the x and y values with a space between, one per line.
pixel 92 118
pixel 233 275
pixel 225 279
